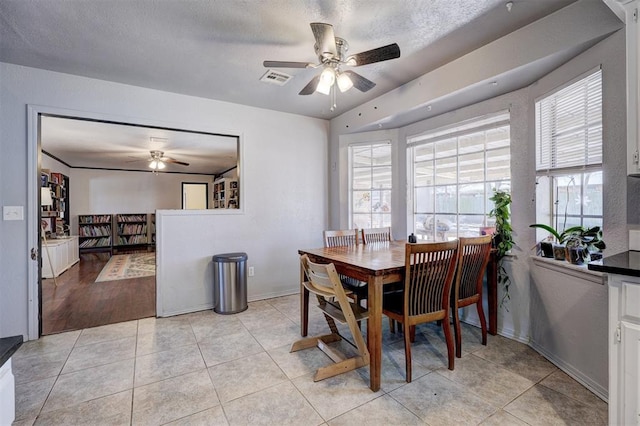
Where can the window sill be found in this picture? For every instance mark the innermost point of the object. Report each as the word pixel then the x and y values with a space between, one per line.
pixel 564 267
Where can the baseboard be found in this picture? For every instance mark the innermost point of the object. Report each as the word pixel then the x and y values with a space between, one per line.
pixel 585 381
pixel 509 334
pixel 264 296
pixel 205 307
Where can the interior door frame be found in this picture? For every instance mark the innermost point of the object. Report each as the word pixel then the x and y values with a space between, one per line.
pixel 206 192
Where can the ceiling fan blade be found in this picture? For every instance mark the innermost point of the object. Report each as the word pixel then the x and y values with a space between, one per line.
pixel 285 64
pixel 171 160
pixel 311 86
pixel 384 53
pixel 325 39
pixel 359 82
pixel 136 159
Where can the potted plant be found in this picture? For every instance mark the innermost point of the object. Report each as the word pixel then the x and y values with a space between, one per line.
pixel 575 243
pixel 503 236
pixel 584 244
pixel 557 247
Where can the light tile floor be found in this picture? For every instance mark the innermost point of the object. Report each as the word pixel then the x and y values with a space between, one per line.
pixel 210 369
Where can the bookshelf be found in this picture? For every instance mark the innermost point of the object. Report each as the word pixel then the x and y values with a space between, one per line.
pixel 226 194
pixel 94 232
pixel 56 216
pixel 131 230
pixel 116 232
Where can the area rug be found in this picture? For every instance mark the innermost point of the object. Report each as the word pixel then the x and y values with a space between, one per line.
pixel 125 266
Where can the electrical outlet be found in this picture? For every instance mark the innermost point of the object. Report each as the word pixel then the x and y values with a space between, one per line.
pixel 251 271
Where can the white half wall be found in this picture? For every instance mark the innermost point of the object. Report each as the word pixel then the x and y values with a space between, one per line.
pixel 570 327
pixel 283 176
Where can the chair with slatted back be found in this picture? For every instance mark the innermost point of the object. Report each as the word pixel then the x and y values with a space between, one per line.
pixel 347 237
pixel 341 237
pixel 426 294
pixel 473 259
pixel 323 281
pixel 376 235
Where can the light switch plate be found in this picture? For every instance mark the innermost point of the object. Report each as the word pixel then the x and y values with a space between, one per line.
pixel 13 212
pixel 634 239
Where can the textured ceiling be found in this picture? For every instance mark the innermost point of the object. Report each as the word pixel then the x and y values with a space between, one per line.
pixel 215 49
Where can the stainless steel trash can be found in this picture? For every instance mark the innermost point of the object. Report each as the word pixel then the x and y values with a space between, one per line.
pixel 230 283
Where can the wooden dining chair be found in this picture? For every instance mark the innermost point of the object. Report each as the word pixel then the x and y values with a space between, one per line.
pixel 347 237
pixel 473 254
pixel 323 281
pixel 376 235
pixel 429 274
pixel 341 237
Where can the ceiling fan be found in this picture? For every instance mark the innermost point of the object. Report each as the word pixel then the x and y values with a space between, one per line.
pixel 332 56
pixel 157 161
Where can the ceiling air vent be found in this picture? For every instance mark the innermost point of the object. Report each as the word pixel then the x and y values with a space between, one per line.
pixel 275 77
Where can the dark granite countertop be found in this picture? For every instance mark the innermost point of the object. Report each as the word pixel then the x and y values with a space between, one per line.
pixel 8 346
pixel 626 263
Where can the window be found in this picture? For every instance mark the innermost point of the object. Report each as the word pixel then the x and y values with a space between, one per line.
pixel 569 155
pixel 453 173
pixel 370 181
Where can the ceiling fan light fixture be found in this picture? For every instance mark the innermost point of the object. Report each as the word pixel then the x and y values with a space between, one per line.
pixel 157 165
pixel 327 78
pixel 344 82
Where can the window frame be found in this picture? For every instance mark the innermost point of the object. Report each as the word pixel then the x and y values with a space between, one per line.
pixel 351 190
pixel 458 132
pixel 548 211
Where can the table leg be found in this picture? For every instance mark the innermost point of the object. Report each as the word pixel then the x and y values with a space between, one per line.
pixel 304 305
pixel 374 330
pixel 492 293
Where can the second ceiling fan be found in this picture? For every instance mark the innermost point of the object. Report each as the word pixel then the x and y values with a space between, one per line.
pixel 332 56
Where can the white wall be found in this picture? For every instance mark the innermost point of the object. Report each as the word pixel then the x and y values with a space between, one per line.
pixel 109 192
pixel 283 164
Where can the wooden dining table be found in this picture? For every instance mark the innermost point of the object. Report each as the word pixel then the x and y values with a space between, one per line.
pixel 377 264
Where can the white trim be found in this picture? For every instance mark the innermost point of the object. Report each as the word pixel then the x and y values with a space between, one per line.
pixel 33 227
pixel 585 381
pixel 564 267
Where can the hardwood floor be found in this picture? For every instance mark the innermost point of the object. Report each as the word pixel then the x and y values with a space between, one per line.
pixel 79 302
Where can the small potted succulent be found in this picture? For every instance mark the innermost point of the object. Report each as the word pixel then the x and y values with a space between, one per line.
pixel 551 248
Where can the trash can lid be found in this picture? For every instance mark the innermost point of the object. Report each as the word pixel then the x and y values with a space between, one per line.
pixel 230 257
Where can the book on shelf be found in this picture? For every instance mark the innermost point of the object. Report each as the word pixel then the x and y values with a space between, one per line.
pixel 132 217
pixel 88 219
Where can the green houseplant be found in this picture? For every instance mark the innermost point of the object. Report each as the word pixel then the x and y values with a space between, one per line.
pixel 582 244
pixel 503 237
pixel 579 242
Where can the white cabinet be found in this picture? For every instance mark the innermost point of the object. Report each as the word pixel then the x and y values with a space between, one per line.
pixel 7 394
pixel 64 254
pixel 624 350
pixel 633 87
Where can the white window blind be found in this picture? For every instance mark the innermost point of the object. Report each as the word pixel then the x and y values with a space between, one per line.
pixel 569 125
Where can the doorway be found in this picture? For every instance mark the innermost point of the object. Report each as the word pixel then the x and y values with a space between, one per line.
pixel 195 195
pixel 76 298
